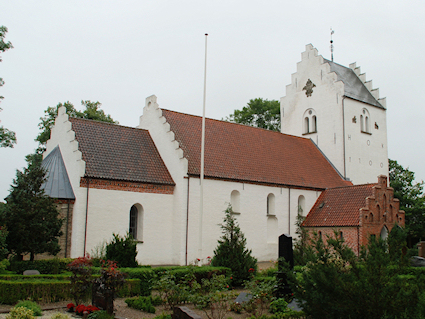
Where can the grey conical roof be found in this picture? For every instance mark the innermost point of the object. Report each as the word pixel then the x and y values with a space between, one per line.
pixel 57 183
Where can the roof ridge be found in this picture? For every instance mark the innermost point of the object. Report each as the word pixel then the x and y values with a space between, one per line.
pixel 106 123
pixel 358 185
pixel 244 125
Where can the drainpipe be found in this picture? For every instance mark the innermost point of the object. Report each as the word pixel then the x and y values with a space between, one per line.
pixel 289 211
pixel 187 221
pixel 87 213
pixel 343 132
pixel 66 234
pixel 358 240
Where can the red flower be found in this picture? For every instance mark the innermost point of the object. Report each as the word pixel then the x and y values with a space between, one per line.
pixel 70 305
pixel 227 286
pixel 198 259
pixel 251 270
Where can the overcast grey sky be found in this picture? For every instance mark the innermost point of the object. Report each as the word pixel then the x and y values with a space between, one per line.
pixel 120 52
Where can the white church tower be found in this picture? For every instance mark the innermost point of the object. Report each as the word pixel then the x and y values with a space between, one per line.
pixel 340 111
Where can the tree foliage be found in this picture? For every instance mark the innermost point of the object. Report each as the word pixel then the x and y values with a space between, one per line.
pixel 7 137
pixel 31 217
pixel 258 113
pixel 122 250
pixel 92 112
pixel 412 200
pixel 338 284
pixel 231 251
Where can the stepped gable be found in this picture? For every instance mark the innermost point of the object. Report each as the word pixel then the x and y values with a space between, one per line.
pixel 118 152
pixel 354 87
pixel 57 184
pixel 339 206
pixel 244 153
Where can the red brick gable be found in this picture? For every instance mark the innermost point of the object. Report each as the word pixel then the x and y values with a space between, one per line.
pixel 339 206
pixel 244 153
pixel 118 152
pixel 371 206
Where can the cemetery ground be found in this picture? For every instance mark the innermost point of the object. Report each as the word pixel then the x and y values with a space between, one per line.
pixel 121 311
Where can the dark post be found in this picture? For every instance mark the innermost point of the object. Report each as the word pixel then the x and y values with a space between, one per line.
pixel 285 254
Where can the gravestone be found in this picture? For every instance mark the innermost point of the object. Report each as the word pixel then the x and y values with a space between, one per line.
pixel 31 272
pixel 104 300
pixel 285 254
pixel 184 313
pixel 243 297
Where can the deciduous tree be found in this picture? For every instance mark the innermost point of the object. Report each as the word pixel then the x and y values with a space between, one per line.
pixel 92 112
pixel 7 137
pixel 412 200
pixel 259 113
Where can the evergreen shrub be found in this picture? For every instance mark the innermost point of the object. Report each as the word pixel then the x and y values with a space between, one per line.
pixel 144 303
pixel 231 251
pixel 122 250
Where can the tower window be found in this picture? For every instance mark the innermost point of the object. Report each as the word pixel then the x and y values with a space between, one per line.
pixel 309 122
pixel 365 122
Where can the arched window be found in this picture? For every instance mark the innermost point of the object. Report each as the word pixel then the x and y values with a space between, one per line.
pixel 136 222
pixel 306 125
pixel 309 122
pixel 371 218
pixel 384 233
pixel 301 205
pixel 365 121
pixel 270 204
pixel 235 201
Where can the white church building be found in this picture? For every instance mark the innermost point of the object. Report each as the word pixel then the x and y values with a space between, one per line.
pixel 110 178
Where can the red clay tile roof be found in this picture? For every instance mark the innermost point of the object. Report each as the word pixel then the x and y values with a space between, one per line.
pixel 339 206
pixel 245 153
pixel 120 153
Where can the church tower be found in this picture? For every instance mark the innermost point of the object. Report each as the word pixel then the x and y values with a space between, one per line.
pixel 340 111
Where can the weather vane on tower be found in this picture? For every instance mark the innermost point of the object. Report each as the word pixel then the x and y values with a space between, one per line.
pixel 332 45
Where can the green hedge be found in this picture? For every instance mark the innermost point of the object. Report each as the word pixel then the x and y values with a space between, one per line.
pixel 45 266
pixel 12 291
pixel 33 277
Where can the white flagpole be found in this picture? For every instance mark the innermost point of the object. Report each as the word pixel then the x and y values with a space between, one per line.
pixel 201 194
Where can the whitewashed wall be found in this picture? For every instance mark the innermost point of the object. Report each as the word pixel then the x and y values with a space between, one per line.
pixel 252 219
pixel 366 154
pixel 334 119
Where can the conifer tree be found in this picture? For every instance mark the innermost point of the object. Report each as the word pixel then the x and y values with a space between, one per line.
pixel 231 251
pixel 31 216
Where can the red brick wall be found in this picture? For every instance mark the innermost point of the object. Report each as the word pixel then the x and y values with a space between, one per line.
pixel 126 186
pixel 381 210
pixel 350 235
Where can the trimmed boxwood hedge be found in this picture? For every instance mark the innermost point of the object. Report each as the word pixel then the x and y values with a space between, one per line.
pixel 11 291
pixel 44 266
